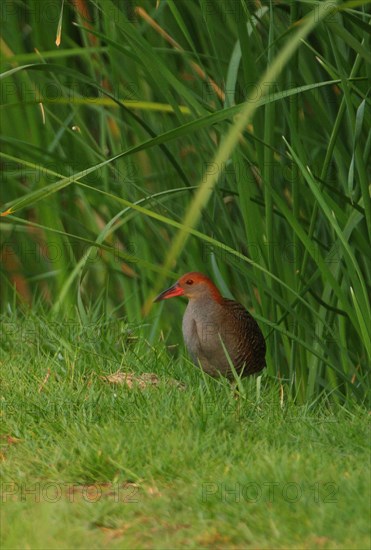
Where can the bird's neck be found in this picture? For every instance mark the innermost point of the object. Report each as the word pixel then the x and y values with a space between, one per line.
pixel 214 295
pixel 204 305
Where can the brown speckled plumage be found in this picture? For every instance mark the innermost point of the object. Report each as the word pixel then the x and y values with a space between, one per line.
pixel 210 318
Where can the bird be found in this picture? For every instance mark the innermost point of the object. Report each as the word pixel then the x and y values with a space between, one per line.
pixel 209 320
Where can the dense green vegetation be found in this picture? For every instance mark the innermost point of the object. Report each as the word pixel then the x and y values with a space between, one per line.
pixel 122 160
pixel 229 137
pixel 123 166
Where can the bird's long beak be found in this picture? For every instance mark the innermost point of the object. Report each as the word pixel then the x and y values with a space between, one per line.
pixel 175 290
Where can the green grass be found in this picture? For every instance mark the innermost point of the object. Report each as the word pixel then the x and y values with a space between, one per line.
pixel 241 150
pixel 94 464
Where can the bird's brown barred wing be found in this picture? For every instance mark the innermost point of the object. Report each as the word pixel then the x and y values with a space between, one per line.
pixel 249 347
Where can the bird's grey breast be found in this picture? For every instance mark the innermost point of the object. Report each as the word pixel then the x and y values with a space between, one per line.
pixel 190 334
pixel 202 326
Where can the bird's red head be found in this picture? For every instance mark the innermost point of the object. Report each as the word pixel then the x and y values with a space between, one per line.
pixel 193 286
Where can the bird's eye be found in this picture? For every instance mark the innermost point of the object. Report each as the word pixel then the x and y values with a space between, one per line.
pixel 189 282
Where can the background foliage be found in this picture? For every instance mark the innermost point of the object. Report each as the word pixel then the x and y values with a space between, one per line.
pixel 107 138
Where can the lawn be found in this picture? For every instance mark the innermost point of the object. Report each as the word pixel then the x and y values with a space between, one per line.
pixel 93 459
